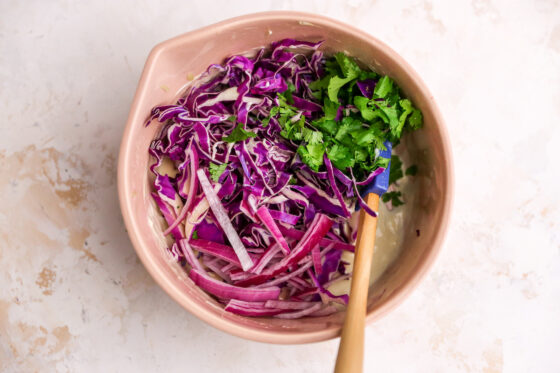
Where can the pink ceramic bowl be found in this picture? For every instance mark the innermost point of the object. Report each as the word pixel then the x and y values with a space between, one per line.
pixel 167 69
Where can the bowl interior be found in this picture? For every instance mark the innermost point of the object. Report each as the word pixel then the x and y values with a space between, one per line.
pixel 172 63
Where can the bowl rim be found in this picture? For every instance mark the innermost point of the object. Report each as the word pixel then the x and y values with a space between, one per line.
pixel 125 200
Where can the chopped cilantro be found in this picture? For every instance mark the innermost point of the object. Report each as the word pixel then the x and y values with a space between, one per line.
pixel 348 66
pixel 369 136
pixel 335 83
pixel 293 130
pixel 394 197
pixel 239 134
pixel 341 156
pixel 319 85
pixel 332 67
pixel 352 140
pixel 216 170
pixel 382 162
pixel 361 103
pixel 361 154
pixel 288 93
pixel 383 87
pixel 273 111
pixel 312 155
pixel 412 170
pixel 330 108
pixel 406 105
pixel 328 127
pixel 195 235
pixel 396 172
pixel 415 120
pixel 312 137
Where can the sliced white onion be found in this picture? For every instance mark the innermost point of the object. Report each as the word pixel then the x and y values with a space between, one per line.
pixel 223 220
pixel 229 94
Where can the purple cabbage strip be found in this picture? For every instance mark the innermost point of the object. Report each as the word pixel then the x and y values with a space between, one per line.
pixel 367 87
pixel 284 217
pixel 227 291
pixel 189 255
pixel 269 223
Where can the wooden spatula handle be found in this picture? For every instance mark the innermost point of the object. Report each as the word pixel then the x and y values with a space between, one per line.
pixel 351 350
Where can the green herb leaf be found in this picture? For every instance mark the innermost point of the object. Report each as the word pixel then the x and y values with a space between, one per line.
pixel 330 108
pixel 361 103
pixel 406 105
pixel 348 126
pixel 318 86
pixel 326 126
pixel 396 171
pixel 369 136
pixel 361 154
pixel 312 155
pixel 342 131
pixel 273 112
pixel 364 74
pixel 407 108
pixel 195 235
pixel 412 170
pixel 335 83
pixel 239 134
pixel 382 162
pixel 341 156
pixel 394 197
pixel 287 94
pixel 332 67
pixel 393 119
pixel 216 170
pixel 348 66
pixel 312 137
pixel 297 128
pixel 415 120
pixel 383 87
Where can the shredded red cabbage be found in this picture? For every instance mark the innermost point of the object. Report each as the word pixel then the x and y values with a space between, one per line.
pixel 261 231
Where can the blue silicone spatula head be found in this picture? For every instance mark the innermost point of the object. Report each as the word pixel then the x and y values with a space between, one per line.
pixel 380 183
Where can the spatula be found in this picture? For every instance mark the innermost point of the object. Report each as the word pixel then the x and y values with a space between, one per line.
pixel 351 349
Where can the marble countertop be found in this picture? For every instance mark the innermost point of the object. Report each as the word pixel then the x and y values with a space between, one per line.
pixel 75 298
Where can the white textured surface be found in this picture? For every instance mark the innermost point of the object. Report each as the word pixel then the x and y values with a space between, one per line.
pixel 73 295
